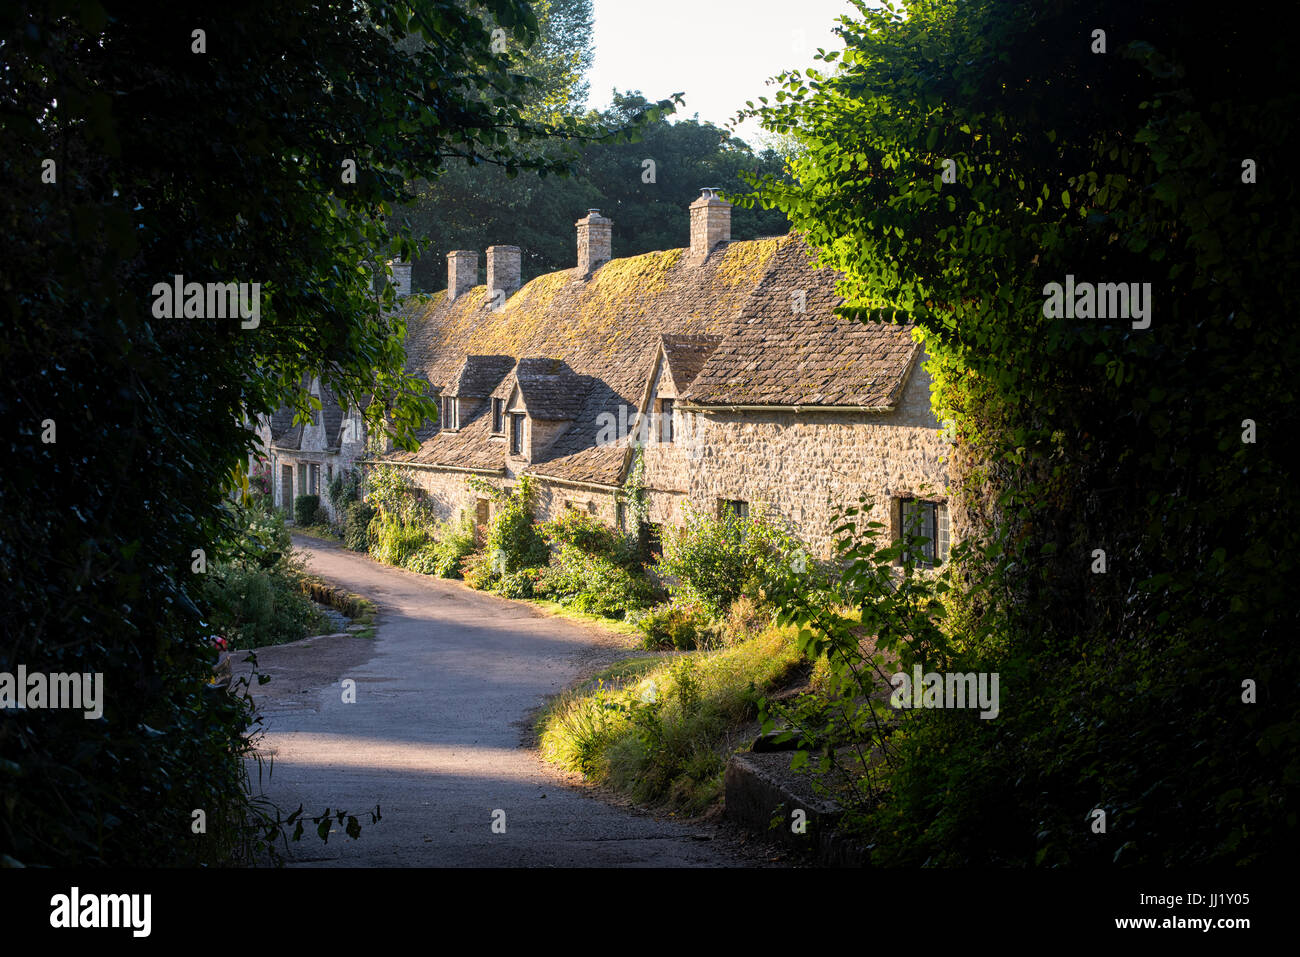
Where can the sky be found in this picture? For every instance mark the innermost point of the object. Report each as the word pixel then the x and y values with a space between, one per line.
pixel 719 53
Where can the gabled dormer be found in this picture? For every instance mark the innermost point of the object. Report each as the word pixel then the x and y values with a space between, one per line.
pixel 677 362
pixel 461 398
pixel 534 405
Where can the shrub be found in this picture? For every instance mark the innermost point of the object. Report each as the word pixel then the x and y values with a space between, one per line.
pixel 356 519
pixel 595 584
pixel 512 540
pixel 344 489
pixel 455 544
pixel 681 627
pixel 589 535
pixel 716 560
pixel 253 593
pixel 305 508
pixel 522 583
pixel 594 568
pixel 395 542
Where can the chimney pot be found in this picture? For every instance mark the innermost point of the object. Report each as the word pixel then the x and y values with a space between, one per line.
pixel 462 272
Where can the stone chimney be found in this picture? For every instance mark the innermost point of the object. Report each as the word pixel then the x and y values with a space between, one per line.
pixel 710 222
pixel 462 272
pixel 595 242
pixel 502 273
pixel 401 277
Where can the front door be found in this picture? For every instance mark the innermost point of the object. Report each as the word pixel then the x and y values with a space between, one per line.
pixel 286 486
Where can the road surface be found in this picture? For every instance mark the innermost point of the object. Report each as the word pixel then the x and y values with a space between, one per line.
pixel 445 693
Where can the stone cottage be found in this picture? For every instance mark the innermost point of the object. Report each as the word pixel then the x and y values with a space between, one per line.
pixel 722 365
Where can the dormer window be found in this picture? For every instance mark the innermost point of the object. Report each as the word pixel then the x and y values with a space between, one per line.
pixel 517 433
pixel 665 420
pixel 498 416
pixel 451 413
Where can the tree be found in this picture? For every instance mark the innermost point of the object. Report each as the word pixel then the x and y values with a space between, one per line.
pixel 960 160
pixel 644 184
pixel 263 146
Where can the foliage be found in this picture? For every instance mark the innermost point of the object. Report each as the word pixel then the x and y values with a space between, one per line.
pixel 522 583
pixel 252 593
pixel 594 583
pixel 473 207
pixel 661 731
pixel 394 541
pixel 713 561
pixel 873 614
pixel 1080 436
pixel 356 523
pixel 389 491
pixel 344 489
pixel 512 541
pixel 259 483
pixel 305 508
pixel 673 626
pixel 250 187
pixel 593 567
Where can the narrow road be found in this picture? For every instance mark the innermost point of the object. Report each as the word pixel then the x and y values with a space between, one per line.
pixel 444 695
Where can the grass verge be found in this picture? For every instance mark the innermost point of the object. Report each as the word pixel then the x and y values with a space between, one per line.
pixel 563 611
pixel 323 532
pixel 660 729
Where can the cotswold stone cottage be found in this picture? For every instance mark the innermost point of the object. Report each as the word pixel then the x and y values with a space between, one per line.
pixel 723 362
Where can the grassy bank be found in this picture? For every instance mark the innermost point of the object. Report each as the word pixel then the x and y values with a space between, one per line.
pixel 660 729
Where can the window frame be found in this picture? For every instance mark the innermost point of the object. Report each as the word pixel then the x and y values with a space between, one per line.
pixel 934 526
pixel 739 507
pixel 666 421
pixel 517 420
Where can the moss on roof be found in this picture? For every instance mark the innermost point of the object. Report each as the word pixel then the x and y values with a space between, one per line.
pixel 607 329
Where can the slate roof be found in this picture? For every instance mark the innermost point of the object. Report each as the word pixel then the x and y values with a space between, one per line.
pixel 477 376
pixel 685 356
pixel 551 390
pixel 727 326
pixel 776 355
pixel 285 435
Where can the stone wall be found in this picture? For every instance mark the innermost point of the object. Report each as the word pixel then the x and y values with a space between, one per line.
pixel 802 466
pixel 449 493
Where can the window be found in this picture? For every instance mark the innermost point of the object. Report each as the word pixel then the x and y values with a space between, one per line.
pixel 451 413
pixel 498 416
pixel 313 480
pixel 737 506
pixel 516 433
pixel 665 420
pixel 929 520
pixel 620 516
